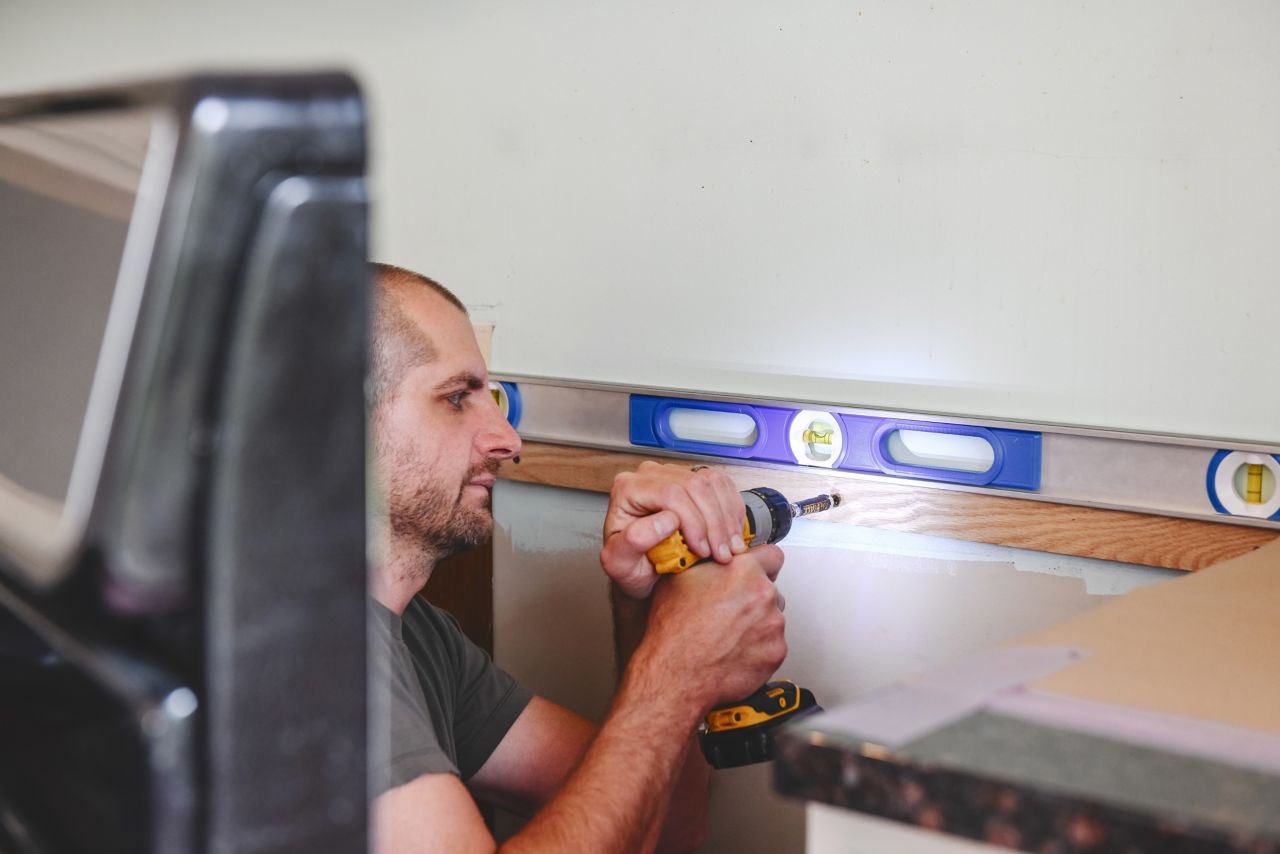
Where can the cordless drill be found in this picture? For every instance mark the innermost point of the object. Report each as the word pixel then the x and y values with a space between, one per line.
pixel 741 733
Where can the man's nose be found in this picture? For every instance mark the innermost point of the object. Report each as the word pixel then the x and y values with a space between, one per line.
pixel 499 439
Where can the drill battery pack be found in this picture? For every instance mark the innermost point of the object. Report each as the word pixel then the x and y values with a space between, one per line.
pixel 742 734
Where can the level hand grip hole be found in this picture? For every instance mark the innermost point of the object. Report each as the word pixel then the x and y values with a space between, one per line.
pixel 733 429
pixel 947 451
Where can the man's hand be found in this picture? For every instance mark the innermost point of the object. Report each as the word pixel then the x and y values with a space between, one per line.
pixel 718 631
pixel 648 505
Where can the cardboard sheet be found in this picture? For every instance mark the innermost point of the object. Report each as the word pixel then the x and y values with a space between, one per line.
pixel 1207 646
pixel 484 338
pixel 899 714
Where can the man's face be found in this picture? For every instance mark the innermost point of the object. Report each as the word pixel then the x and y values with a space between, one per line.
pixel 441 436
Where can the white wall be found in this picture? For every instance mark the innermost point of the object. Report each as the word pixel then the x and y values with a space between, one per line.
pixel 864 608
pixel 1036 210
pixel 1056 212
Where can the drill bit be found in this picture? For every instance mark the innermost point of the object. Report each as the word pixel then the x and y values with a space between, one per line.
pixel 814 505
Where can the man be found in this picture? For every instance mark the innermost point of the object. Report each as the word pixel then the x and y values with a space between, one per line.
pixel 462 731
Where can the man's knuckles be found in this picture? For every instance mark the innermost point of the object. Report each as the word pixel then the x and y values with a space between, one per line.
pixel 768 557
pixel 641 537
pixel 622 482
pixel 703 483
pixel 762 595
pixel 780 654
pixel 673 494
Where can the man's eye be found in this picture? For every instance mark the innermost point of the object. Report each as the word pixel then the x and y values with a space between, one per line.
pixel 455 400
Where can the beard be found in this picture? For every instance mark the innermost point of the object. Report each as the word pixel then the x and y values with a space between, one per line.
pixel 430 516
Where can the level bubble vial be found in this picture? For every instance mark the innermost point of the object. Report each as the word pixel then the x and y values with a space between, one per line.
pixel 1254 483
pixel 507 396
pixel 816 438
pixel 1242 483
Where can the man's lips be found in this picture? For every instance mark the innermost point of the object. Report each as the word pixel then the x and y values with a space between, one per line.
pixel 484 476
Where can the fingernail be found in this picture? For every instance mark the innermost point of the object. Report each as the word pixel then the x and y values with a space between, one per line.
pixel 738 545
pixel 724 553
pixel 665 525
pixel 704 548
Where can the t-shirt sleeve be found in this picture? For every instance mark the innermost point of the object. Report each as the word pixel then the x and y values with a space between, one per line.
pixel 404 745
pixel 488 702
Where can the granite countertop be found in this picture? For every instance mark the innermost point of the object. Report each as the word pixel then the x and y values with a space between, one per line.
pixel 988 763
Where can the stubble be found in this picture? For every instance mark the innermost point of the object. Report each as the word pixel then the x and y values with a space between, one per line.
pixel 430 518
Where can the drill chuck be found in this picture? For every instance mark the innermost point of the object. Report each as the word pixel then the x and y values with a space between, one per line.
pixel 769 516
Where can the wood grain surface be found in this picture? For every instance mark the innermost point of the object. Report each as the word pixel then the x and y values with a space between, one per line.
pixel 1059 528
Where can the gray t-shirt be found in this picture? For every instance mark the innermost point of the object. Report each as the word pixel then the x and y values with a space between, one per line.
pixel 440 704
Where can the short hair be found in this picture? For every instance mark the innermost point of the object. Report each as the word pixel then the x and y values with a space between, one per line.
pixel 397 344
pixel 388 277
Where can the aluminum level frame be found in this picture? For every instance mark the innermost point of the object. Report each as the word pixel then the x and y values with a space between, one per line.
pixel 1166 475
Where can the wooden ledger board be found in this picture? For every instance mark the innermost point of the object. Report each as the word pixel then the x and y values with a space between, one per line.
pixel 1139 538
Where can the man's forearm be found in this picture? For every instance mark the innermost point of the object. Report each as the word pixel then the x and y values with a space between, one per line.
pixel 684 815
pixel 615 799
pixel 629 617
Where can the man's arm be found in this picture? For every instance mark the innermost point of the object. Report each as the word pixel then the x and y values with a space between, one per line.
pixel 534 758
pixel 685 816
pixel 432 812
pixel 437 812
pixel 632 527
pixel 537 755
pixel 714 634
pixel 547 742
